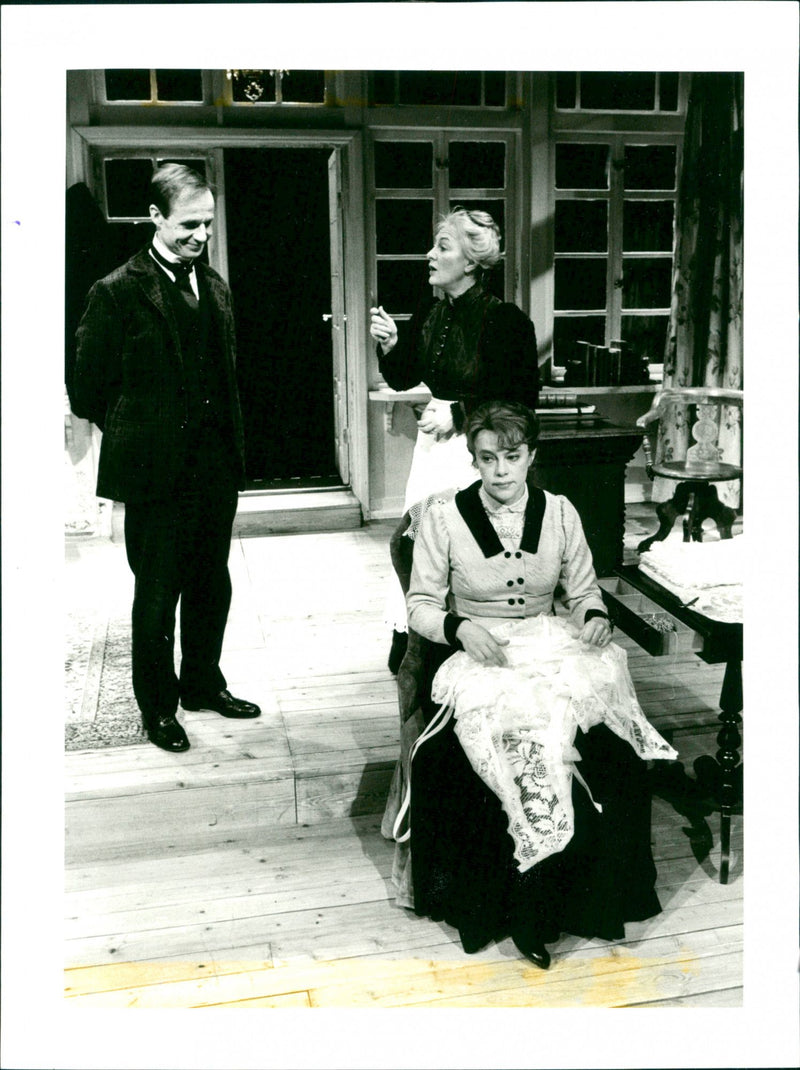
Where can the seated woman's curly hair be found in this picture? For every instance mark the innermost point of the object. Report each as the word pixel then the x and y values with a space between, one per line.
pixel 478 235
pixel 511 422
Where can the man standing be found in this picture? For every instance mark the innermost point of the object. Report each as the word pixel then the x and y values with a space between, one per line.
pixel 155 371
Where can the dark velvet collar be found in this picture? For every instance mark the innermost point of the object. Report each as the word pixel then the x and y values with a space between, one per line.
pixel 469 297
pixel 473 514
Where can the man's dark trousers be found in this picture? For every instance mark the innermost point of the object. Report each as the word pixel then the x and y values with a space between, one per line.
pixel 179 548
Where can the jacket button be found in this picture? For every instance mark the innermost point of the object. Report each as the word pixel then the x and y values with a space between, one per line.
pixel 520 580
pixel 521 601
pixel 507 553
pixel 510 583
pixel 511 601
pixel 518 554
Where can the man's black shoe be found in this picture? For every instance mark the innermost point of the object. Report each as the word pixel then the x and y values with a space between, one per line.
pixel 223 702
pixel 166 733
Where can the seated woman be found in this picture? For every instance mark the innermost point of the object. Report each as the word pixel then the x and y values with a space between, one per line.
pixel 529 812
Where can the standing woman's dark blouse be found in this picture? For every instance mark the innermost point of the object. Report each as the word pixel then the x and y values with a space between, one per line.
pixel 469 349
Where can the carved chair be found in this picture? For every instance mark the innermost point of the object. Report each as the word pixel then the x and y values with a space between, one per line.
pixel 703 412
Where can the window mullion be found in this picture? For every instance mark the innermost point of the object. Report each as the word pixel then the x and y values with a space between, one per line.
pixel 218 251
pixel 441 174
pixel 615 266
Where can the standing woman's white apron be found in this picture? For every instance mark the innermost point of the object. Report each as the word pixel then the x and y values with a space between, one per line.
pixel 437 465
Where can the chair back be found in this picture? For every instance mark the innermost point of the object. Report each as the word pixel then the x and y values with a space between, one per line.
pixel 701 434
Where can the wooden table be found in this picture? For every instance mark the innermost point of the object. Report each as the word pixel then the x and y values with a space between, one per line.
pixel 721 642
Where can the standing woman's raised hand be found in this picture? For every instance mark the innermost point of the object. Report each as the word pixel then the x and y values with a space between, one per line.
pixel 383 328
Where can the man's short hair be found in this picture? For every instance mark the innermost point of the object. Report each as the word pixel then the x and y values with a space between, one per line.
pixel 511 422
pixel 171 180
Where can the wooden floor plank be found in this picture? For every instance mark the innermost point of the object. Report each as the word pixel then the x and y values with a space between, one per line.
pixel 327 974
pixel 336 932
pixel 191 856
pixel 241 904
pixel 597 976
pixel 609 989
pixel 717 997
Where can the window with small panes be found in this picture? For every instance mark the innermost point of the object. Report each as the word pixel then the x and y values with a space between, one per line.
pixel 123 182
pixel 140 86
pixel 426 89
pixel 418 177
pixel 239 87
pixel 614 198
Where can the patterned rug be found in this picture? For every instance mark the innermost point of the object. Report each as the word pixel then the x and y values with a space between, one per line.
pixel 100 708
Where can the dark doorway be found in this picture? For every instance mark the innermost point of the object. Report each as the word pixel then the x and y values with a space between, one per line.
pixel 279 263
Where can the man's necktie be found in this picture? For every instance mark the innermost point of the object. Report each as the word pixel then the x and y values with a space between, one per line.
pixel 181 271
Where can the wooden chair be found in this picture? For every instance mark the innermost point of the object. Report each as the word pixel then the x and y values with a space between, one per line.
pixel 417 669
pixel 703 410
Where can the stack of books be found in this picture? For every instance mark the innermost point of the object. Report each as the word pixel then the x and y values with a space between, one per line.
pixel 562 404
pixel 612 365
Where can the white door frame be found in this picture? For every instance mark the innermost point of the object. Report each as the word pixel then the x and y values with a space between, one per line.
pixel 336 316
pixel 171 140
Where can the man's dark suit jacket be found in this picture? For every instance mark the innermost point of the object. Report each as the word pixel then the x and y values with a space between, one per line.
pixel 129 378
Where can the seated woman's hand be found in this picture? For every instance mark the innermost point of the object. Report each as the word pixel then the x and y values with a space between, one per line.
pixel 480 644
pixel 596 631
pixel 437 419
pixel 383 328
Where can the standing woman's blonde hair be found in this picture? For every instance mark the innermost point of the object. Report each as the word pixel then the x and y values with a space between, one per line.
pixel 478 235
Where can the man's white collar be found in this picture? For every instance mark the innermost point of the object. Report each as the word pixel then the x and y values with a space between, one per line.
pixel 164 251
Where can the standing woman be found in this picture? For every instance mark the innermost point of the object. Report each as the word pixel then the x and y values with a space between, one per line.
pixel 471 348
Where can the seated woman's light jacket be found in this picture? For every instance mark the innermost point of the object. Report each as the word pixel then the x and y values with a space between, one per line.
pixel 461 570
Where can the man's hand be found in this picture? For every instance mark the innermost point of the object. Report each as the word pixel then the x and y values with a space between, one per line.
pixel 480 644
pixel 596 632
pixel 383 329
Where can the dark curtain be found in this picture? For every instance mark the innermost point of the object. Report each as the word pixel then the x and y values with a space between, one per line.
pixel 89 255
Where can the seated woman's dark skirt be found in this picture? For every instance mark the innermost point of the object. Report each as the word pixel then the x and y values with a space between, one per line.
pixel 462 860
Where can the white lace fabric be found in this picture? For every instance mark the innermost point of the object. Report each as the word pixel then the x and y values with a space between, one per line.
pixel 418 510
pixel 517 724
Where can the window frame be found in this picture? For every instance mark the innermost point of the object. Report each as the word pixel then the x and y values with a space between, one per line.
pixel 100 157
pixel 655 112
pixel 441 194
pixel 101 98
pixel 616 129
pixel 329 93
pixel 396 103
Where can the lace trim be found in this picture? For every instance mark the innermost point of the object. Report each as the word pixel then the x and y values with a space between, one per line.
pixel 419 509
pixel 508 527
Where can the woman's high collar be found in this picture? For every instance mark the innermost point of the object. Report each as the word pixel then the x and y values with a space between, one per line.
pixel 465 299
